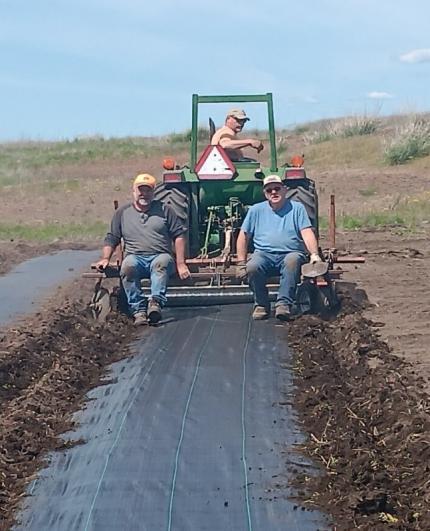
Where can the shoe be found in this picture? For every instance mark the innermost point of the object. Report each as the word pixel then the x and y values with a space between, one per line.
pixel 154 311
pixel 140 318
pixel 283 312
pixel 260 313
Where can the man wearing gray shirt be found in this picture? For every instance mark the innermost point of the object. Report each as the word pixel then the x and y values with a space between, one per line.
pixel 147 227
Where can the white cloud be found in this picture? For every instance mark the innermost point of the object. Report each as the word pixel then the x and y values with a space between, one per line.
pixel 310 99
pixel 416 56
pixel 375 95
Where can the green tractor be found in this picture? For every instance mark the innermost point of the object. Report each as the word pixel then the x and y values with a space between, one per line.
pixel 212 196
pixel 213 193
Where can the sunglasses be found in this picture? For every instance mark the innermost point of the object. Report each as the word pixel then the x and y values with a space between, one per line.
pixel 275 189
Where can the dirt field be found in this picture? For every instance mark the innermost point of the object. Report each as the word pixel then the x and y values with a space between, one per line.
pixel 363 379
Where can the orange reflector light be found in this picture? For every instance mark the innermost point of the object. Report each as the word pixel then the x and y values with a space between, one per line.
pixel 297 161
pixel 168 163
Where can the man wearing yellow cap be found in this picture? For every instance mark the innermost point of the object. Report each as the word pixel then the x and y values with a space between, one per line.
pixel 147 227
pixel 226 136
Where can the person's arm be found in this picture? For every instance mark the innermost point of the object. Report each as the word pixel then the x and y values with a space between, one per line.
pixel 242 252
pixel 311 243
pixel 113 238
pixel 242 246
pixel 181 266
pixel 230 143
pixel 107 253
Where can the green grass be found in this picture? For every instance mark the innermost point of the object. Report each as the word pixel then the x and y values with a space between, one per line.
pixel 367 192
pixel 185 138
pixel 52 231
pixel 36 155
pixel 410 214
pixel 361 151
pixel 26 162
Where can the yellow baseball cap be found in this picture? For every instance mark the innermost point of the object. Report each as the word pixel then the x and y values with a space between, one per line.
pixel 144 179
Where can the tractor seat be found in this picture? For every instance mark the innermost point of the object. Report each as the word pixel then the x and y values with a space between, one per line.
pixel 212 129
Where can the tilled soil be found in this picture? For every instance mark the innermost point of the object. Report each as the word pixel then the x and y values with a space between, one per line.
pixel 360 394
pixel 367 418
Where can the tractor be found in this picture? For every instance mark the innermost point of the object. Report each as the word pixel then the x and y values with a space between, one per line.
pixel 211 195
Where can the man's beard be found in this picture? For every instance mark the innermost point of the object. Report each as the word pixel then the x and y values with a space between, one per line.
pixel 143 202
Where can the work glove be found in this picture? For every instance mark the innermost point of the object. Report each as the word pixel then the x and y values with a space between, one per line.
pixel 314 258
pixel 241 272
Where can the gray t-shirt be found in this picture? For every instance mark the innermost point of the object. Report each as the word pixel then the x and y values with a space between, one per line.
pixel 145 233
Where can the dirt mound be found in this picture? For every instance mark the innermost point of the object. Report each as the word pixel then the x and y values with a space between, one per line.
pixel 46 368
pixel 368 422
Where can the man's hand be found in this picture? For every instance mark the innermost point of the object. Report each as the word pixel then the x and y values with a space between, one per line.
pixel 241 272
pixel 258 145
pixel 183 271
pixel 102 264
pixel 314 258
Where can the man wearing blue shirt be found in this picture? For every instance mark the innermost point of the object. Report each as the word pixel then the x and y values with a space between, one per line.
pixel 282 235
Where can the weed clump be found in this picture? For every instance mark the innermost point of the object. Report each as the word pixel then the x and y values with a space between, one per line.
pixel 410 141
pixel 344 128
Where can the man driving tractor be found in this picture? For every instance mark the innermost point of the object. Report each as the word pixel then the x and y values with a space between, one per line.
pixel 226 136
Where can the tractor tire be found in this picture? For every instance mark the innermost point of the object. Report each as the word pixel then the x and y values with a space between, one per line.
pixel 176 197
pixel 304 191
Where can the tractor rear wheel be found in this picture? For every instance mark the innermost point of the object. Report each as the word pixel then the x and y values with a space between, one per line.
pixel 178 198
pixel 304 191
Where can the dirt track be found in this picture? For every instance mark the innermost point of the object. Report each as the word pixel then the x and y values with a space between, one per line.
pixel 366 408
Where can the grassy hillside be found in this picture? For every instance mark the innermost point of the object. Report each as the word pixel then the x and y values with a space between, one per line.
pixel 378 168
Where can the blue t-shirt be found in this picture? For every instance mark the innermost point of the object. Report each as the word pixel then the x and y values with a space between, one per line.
pixel 277 231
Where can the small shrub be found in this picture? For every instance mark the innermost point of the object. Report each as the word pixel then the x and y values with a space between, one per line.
pixel 345 128
pixel 317 137
pixel 301 129
pixel 359 126
pixel 410 141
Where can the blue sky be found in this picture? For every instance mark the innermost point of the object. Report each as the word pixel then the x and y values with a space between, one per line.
pixel 129 67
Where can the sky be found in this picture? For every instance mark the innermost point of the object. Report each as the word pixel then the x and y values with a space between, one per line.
pixel 120 68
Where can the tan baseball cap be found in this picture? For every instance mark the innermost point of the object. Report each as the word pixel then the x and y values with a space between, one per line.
pixel 144 179
pixel 240 114
pixel 271 179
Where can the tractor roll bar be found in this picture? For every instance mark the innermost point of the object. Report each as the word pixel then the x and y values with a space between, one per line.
pixel 255 98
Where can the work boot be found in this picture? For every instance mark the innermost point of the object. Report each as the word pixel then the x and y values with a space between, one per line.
pixel 260 313
pixel 140 318
pixel 283 312
pixel 154 311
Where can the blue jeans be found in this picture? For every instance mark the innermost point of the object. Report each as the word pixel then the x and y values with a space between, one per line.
pixel 157 267
pixel 262 265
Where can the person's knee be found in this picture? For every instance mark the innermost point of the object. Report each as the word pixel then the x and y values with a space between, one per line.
pixel 293 261
pixel 162 263
pixel 129 268
pixel 254 267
